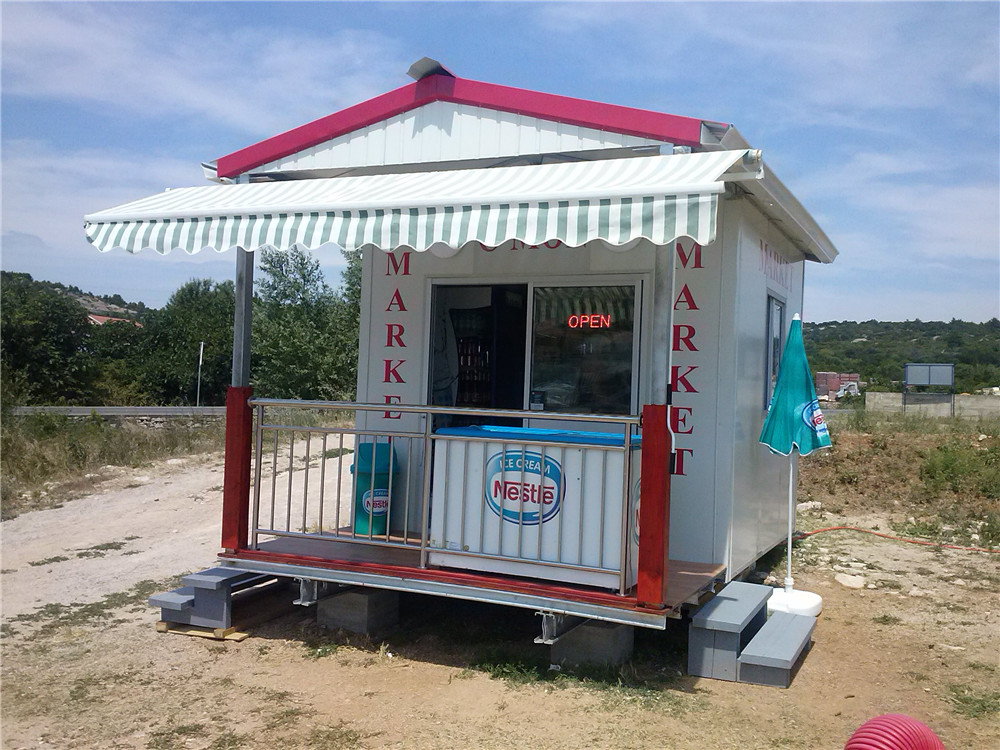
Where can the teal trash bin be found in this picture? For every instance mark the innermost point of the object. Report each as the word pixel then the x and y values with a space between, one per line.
pixel 371 494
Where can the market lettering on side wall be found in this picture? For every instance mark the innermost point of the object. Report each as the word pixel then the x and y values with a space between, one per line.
pixel 395 266
pixel 683 377
pixel 695 254
pixel 686 298
pixel 776 268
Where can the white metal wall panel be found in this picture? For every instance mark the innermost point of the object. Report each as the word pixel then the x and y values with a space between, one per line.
pixel 757 481
pixel 443 131
pixel 728 384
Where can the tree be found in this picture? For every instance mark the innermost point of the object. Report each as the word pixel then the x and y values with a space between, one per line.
pixel 878 351
pixel 42 344
pixel 348 314
pixel 304 334
pixel 200 311
pixel 119 351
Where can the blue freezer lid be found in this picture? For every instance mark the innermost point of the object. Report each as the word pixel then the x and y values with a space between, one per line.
pixel 527 434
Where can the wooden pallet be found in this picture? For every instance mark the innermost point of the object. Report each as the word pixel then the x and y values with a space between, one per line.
pixel 216 634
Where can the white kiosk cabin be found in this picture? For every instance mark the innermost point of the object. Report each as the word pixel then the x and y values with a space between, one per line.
pixel 570 323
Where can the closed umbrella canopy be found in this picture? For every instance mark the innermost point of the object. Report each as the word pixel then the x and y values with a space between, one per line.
pixel 617 201
pixel 794 419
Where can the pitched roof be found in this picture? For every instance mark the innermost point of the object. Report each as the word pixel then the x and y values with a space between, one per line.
pixel 683 131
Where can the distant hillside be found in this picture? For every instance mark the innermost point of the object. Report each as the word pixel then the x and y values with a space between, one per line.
pixel 112 305
pixel 878 351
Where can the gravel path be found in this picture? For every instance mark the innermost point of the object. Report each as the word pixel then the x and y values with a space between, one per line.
pixel 139 525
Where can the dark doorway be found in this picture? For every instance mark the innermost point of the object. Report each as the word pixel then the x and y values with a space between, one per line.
pixel 478 348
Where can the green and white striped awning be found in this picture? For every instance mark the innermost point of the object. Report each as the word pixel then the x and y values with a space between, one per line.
pixel 618 201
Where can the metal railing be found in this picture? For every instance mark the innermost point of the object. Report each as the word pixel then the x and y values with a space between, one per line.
pixel 479 500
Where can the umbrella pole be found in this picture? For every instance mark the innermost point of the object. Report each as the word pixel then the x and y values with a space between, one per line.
pixel 791 519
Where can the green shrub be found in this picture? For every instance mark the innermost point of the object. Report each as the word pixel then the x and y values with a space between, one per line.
pixel 859 420
pixel 961 467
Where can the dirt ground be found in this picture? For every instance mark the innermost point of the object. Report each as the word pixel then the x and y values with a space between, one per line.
pixel 84 668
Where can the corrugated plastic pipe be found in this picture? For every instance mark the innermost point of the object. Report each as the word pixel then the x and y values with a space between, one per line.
pixel 894 732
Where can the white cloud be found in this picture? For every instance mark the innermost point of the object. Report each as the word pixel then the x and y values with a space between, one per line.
pixel 886 111
pixel 47 193
pixel 910 206
pixel 155 61
pixel 843 63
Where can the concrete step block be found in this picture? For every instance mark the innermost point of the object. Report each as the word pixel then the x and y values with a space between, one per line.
pixel 361 610
pixel 596 643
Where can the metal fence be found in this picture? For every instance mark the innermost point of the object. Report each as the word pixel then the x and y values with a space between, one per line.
pixel 484 502
pixel 124 411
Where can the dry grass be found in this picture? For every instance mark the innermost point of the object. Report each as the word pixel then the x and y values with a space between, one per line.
pixel 944 472
pixel 43 451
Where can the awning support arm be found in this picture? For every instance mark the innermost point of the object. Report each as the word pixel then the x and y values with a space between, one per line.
pixel 241 318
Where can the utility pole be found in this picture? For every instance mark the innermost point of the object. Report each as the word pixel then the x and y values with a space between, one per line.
pixel 201 353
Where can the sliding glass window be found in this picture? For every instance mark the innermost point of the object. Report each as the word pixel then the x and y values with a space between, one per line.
pixel 583 343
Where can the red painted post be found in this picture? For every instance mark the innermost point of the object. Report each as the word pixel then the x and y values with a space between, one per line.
pixel 236 482
pixel 654 507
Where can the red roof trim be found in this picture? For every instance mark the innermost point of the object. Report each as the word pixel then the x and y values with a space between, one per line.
pixel 684 131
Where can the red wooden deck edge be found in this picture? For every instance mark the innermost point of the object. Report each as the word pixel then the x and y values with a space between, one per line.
pixel 654 507
pixel 472 580
pixel 676 129
pixel 236 481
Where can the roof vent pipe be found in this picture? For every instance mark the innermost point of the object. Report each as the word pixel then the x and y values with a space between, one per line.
pixel 425 66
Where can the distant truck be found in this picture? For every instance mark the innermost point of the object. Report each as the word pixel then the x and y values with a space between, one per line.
pixel 835 385
pixel 849 388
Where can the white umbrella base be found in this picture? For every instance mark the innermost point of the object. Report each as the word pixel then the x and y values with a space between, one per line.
pixel 795 602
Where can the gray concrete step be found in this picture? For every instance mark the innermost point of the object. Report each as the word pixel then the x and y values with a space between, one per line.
pixel 217 578
pixel 774 654
pixel 177 600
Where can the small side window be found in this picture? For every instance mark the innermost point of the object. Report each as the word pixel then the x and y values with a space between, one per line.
pixel 775 342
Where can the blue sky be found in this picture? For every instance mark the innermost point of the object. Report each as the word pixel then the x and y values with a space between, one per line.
pixel 881 117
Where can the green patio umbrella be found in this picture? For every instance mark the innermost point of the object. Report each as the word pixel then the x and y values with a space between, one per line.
pixel 794 422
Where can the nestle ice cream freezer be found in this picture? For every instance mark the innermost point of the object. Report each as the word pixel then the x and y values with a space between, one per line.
pixel 536 503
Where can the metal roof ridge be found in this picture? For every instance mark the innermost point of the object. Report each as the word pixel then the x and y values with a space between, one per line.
pixel 676 129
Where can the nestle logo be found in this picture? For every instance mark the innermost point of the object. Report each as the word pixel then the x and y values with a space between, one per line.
pixel 377 506
pixel 523 489
pixel 813 418
pixel 525 493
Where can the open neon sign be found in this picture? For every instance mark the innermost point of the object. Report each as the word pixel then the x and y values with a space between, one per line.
pixel 595 320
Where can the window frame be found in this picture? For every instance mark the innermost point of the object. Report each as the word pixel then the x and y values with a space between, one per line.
pixel 774 343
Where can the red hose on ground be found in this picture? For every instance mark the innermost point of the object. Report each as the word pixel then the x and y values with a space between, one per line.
pixel 894 732
pixel 804 534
